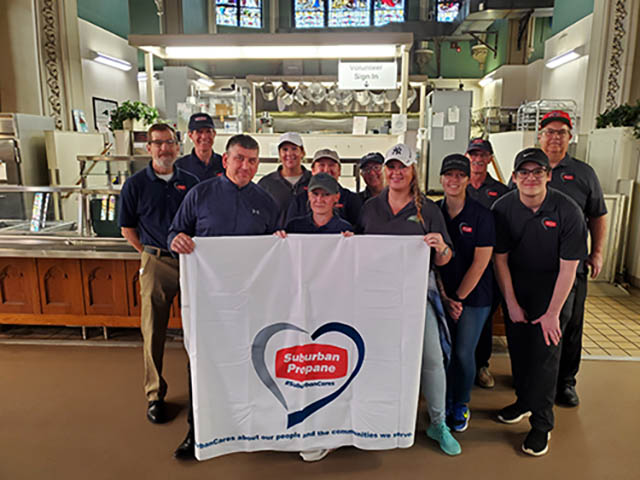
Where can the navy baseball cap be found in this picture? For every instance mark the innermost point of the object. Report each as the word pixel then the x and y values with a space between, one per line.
pixel 534 155
pixel 200 120
pixel 325 181
pixel 455 161
pixel 480 144
pixel 375 157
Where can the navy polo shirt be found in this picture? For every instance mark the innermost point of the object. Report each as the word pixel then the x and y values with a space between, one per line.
pixel 191 163
pixel 218 207
pixel 307 225
pixel 536 242
pixel 365 195
pixel 148 203
pixel 489 191
pixel 281 190
pixel 378 219
pixel 348 206
pixel 472 227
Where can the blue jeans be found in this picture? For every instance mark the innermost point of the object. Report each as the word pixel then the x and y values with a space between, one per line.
pixel 434 382
pixel 464 337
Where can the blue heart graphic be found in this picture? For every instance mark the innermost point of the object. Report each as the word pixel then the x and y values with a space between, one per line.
pixel 258 349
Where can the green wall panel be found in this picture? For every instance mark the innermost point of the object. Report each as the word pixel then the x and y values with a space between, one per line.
pixel 568 12
pixel 195 16
pixel 493 62
pixel 143 17
pixel 112 15
pixel 542 31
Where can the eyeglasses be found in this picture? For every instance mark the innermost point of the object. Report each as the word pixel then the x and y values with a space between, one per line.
pixel 549 132
pixel 159 143
pixel 536 172
pixel 371 169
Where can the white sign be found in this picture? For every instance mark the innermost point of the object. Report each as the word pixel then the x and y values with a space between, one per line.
pixel 313 341
pixel 367 76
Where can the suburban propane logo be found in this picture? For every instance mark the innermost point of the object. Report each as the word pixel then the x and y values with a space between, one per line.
pixel 313 361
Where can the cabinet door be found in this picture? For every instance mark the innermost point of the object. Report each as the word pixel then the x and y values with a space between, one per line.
pixel 19 286
pixel 132 270
pixel 104 287
pixel 60 286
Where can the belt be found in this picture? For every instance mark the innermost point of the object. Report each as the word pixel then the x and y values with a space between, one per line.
pixel 157 252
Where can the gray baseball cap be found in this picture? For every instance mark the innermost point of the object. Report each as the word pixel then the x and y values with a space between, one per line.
pixel 291 137
pixel 325 181
pixel 326 153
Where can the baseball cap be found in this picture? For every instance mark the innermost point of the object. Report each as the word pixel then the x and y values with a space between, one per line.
pixel 375 157
pixel 455 161
pixel 291 137
pixel 556 116
pixel 200 120
pixel 325 181
pixel 402 153
pixel 326 153
pixel 534 155
pixel 480 144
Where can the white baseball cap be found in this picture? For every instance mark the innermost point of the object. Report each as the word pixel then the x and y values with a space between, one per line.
pixel 291 137
pixel 402 153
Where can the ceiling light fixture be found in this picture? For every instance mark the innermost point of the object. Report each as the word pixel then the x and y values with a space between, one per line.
pixel 566 57
pixel 205 82
pixel 487 79
pixel 110 61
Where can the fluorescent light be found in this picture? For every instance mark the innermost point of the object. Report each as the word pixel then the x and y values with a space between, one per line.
pixel 112 61
pixel 142 76
pixel 205 82
pixel 562 59
pixel 282 52
pixel 486 80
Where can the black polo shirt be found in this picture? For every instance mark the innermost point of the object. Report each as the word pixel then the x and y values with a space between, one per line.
pixel 217 207
pixel 148 203
pixel 191 163
pixel 348 206
pixel 490 190
pixel 536 242
pixel 281 190
pixel 307 225
pixel 580 182
pixel 365 195
pixel 472 227
pixel 377 218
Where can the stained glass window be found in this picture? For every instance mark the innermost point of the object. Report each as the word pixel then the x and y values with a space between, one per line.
pixel 388 11
pixel 447 11
pixel 309 13
pixel 349 13
pixel 247 14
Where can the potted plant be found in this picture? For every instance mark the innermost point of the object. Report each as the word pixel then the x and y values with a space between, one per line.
pixel 121 122
pixel 622 116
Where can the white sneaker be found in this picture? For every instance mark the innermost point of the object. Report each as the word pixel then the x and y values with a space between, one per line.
pixel 315 455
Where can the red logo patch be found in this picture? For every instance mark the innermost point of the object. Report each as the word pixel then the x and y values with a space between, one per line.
pixel 313 361
pixel 466 229
pixel 550 223
pixel 181 187
pixel 492 193
pixel 568 176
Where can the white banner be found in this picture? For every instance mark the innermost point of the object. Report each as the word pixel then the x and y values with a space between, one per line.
pixel 314 341
pixel 367 75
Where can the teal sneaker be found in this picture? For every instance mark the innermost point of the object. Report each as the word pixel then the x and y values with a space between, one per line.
pixel 441 434
pixel 460 417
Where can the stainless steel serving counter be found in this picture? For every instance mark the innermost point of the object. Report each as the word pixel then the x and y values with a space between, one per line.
pixel 38 246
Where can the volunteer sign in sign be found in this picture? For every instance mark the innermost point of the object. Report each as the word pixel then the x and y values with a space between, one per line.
pixel 367 75
pixel 303 343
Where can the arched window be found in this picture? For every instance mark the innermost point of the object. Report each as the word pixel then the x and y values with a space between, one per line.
pixel 347 13
pixel 239 13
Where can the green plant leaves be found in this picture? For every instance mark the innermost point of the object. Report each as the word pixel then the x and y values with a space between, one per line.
pixel 131 111
pixel 622 116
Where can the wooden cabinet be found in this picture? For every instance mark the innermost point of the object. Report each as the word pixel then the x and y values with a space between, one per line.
pixel 60 285
pixel 105 291
pixel 18 286
pixel 132 278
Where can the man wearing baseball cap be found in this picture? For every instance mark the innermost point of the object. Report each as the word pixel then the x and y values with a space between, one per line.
pixel 203 162
pixel 540 240
pixel 371 172
pixel 484 189
pixel 579 181
pixel 327 161
pixel 291 177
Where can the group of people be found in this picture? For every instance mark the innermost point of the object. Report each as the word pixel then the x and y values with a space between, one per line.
pixel 522 246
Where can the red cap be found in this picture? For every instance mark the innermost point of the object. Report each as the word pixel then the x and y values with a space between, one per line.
pixel 556 116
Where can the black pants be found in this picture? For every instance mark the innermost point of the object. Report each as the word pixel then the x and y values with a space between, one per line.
pixel 572 341
pixel 190 411
pixel 534 366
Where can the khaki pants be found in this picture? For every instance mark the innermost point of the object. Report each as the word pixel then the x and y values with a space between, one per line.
pixel 159 283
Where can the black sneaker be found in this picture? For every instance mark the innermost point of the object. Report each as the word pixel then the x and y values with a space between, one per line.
pixel 536 443
pixel 567 396
pixel 513 414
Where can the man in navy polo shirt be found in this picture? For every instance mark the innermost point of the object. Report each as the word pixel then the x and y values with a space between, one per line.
pixel 203 162
pixel 291 177
pixel 484 189
pixel 579 181
pixel 328 161
pixel 149 200
pixel 540 240
pixel 223 206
